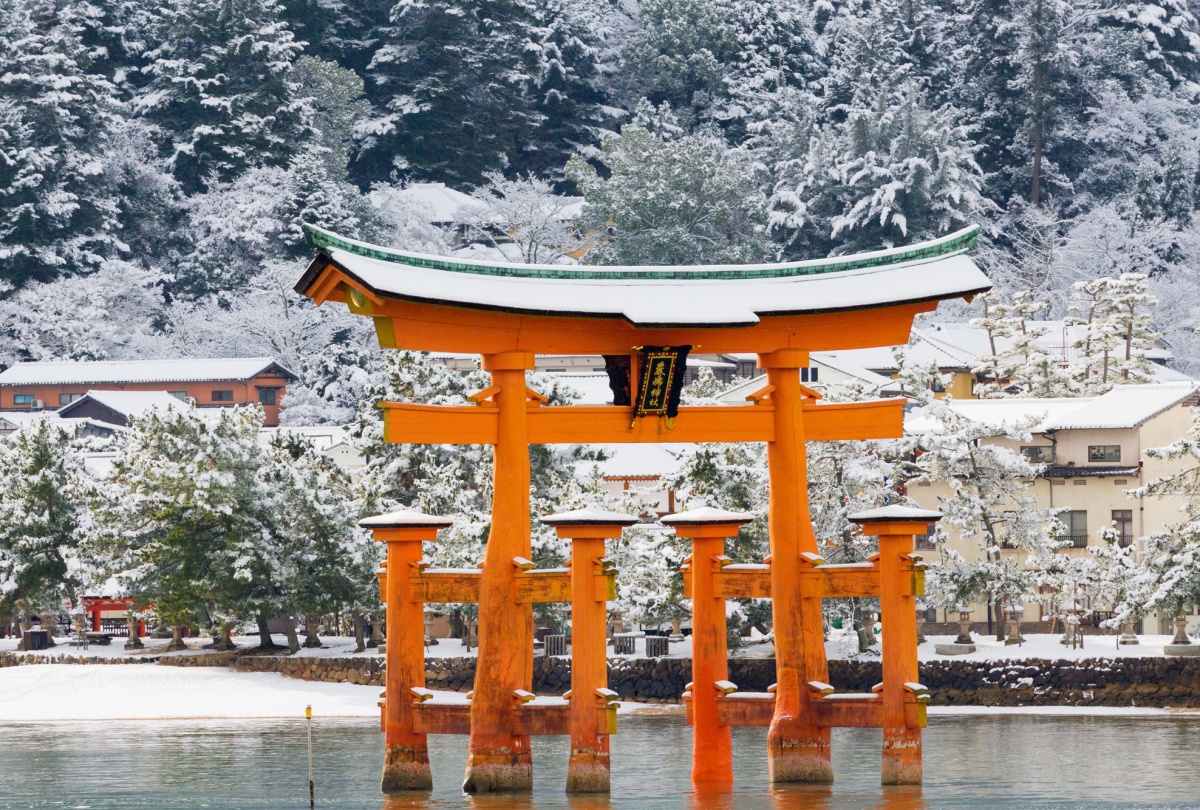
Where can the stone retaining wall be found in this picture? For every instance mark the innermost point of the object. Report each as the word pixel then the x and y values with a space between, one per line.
pixel 8 659
pixel 1154 682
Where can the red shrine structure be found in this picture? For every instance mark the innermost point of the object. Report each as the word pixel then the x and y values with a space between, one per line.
pixel 644 320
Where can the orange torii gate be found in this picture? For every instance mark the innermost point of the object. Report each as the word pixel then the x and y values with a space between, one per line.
pixel 509 313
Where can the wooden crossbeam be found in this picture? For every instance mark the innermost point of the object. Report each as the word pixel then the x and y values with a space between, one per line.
pixel 538 719
pixel 440 587
pixel 536 586
pixel 407 423
pixel 822 581
pixel 546 585
pixel 746 709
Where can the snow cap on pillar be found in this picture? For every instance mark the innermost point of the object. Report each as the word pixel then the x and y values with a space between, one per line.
pixel 894 513
pixel 706 515
pixel 406 519
pixel 590 516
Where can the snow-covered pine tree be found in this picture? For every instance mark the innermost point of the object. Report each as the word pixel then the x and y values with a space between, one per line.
pixel 327 563
pixel 58 215
pixel 682 201
pixel 679 55
pixel 451 91
pixel 1166 576
pixel 221 89
pixel 989 505
pixel 188 515
pixel 46 519
pixel 565 89
pixel 1117 331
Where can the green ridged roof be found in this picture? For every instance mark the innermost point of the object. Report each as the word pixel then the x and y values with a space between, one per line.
pixel 949 245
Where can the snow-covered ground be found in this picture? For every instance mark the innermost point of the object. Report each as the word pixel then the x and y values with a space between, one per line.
pixel 148 692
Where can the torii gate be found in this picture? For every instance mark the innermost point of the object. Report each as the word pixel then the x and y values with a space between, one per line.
pixel 509 313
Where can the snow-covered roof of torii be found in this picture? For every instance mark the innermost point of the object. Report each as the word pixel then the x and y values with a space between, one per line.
pixel 660 296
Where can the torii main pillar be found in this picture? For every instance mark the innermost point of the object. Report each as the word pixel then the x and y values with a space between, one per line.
pixel 498 760
pixel 797 748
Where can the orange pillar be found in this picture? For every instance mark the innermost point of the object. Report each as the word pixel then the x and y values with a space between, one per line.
pixel 895 527
pixel 497 759
pixel 406 752
pixel 797 749
pixel 96 620
pixel 587 529
pixel 712 743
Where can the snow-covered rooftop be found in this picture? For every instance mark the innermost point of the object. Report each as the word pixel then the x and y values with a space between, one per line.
pixel 589 516
pixel 1125 406
pixel 139 371
pixel 705 515
pixel 923 349
pixel 130 404
pixel 710 295
pixel 442 205
pixel 635 460
pixel 592 386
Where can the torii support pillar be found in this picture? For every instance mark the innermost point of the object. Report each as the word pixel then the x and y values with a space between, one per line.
pixel 797 747
pixel 592 585
pixel 712 743
pixel 406 757
pixel 498 759
pixel 896 526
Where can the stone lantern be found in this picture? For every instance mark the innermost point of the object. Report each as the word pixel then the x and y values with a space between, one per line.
pixel 134 642
pixel 1181 644
pixel 1014 614
pixel 964 644
pixel 430 619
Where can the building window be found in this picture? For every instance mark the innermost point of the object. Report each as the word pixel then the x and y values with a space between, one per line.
pixel 1038 454
pixel 1104 452
pixel 222 396
pixel 67 399
pixel 22 399
pixel 266 396
pixel 937 386
pixel 1076 523
pixel 808 374
pixel 925 541
pixel 182 396
pixel 1123 522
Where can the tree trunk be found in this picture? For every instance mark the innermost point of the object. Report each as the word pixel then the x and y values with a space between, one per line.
pixel 360 634
pixel 289 630
pixel 999 619
pixel 224 640
pixel 177 642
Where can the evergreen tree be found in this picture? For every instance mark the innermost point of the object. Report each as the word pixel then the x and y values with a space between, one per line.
pixel 679 201
pixel 58 215
pixel 221 88
pixel 46 519
pixel 451 88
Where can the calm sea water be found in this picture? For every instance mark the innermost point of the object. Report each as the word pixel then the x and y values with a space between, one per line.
pixel 970 762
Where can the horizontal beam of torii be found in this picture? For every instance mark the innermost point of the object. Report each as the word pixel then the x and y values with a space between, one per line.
pixel 405 423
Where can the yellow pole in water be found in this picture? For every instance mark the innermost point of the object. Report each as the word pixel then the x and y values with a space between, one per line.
pixel 308 719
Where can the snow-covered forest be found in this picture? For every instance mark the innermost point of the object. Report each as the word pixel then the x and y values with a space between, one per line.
pixel 157 158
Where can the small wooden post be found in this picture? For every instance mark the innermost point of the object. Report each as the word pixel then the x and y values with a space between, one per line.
pixel 896 527
pixel 712 743
pixel 592 585
pixel 406 758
